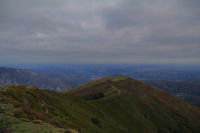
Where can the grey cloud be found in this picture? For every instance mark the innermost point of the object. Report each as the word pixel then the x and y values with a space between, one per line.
pixel 106 31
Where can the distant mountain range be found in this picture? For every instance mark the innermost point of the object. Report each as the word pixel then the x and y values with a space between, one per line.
pixel 180 83
pixel 108 105
pixel 89 72
pixel 12 76
pixel 189 90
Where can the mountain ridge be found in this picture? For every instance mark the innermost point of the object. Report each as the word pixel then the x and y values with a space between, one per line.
pixel 126 105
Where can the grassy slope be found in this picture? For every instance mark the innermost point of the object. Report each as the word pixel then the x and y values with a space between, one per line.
pixel 14 125
pixel 127 106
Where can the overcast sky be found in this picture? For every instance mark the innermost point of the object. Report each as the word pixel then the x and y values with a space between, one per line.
pixel 100 31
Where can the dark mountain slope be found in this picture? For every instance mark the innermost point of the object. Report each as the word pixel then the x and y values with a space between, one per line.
pixel 128 95
pixel 10 76
pixel 109 105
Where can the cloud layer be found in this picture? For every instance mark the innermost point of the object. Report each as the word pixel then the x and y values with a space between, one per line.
pixel 100 31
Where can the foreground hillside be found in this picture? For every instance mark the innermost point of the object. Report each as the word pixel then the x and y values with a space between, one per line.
pixel 108 105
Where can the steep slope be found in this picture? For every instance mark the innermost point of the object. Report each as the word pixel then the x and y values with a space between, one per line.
pixel 10 76
pixel 29 109
pixel 108 105
pixel 139 103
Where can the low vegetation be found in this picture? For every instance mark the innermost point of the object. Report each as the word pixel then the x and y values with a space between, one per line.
pixel 108 105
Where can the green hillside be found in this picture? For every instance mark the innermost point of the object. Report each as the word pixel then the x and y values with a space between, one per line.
pixel 108 105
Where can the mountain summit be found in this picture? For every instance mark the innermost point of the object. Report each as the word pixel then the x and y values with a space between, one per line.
pixel 108 105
